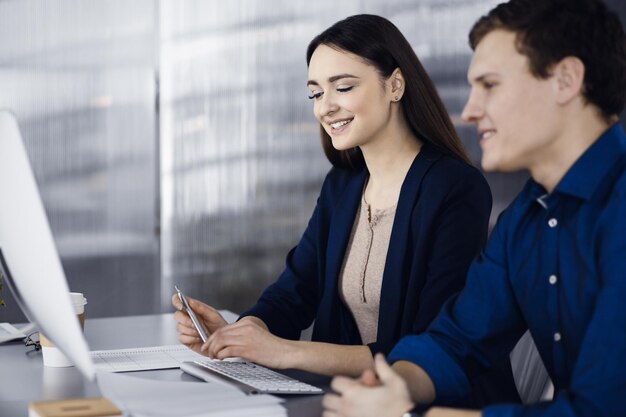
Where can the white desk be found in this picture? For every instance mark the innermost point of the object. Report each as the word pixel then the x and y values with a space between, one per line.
pixel 23 378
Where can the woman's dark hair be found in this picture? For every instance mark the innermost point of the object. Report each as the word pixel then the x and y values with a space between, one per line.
pixel 382 45
pixel 549 30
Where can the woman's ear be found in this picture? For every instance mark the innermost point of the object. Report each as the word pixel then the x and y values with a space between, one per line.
pixel 397 85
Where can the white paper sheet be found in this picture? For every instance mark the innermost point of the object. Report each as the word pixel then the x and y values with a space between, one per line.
pixel 142 397
pixel 143 359
pixel 9 332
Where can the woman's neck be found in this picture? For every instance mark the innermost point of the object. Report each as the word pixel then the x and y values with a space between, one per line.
pixel 388 166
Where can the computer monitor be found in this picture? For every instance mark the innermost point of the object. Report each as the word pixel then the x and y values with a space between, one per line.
pixel 28 255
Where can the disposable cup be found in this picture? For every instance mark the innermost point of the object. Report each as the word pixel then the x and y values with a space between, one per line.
pixel 52 356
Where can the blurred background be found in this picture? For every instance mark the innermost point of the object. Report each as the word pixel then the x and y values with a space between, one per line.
pixel 173 142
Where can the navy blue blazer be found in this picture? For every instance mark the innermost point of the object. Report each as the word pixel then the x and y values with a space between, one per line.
pixel 440 225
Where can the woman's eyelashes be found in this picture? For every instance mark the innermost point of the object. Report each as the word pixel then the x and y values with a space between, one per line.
pixel 341 89
pixel 315 95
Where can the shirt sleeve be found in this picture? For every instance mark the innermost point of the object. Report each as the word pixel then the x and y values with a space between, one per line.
pixel 598 383
pixel 474 329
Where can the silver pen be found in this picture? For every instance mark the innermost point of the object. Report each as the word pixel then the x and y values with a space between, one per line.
pixel 192 315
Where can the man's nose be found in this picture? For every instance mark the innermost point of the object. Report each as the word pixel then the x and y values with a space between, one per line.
pixel 473 109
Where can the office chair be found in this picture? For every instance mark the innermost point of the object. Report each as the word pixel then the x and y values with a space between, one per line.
pixel 530 375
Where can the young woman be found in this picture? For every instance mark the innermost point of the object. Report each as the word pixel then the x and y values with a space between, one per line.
pixel 400 216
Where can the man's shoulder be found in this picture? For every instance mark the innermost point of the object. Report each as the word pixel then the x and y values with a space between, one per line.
pixel 519 205
pixel 611 188
pixel 619 189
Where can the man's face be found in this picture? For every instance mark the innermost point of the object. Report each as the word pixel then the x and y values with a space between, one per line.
pixel 516 113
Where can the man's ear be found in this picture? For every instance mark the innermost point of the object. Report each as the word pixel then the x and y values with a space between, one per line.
pixel 569 74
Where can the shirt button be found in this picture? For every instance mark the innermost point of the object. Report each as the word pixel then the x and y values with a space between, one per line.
pixel 553 222
pixel 553 279
pixel 557 336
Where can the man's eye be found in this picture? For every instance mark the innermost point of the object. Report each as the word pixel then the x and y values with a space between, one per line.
pixel 315 95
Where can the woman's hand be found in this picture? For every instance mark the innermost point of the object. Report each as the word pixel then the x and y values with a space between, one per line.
pixel 210 318
pixel 250 339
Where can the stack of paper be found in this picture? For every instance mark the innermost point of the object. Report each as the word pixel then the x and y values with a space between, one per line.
pixel 152 398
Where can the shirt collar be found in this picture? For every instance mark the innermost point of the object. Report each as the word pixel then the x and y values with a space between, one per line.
pixel 584 177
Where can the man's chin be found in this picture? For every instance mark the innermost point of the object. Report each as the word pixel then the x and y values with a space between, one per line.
pixel 489 166
pixel 492 166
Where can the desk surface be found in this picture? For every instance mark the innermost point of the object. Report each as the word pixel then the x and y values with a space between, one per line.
pixel 23 378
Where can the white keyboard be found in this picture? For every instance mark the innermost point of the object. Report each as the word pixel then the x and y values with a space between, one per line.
pixel 252 378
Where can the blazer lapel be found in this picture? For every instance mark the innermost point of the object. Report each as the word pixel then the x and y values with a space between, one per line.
pixel 392 289
pixel 338 238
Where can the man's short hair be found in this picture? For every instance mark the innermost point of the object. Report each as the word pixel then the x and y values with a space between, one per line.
pixel 550 30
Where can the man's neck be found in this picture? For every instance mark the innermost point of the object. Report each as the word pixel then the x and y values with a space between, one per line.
pixel 572 142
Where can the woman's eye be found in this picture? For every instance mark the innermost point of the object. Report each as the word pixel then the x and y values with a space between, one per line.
pixel 315 95
pixel 344 89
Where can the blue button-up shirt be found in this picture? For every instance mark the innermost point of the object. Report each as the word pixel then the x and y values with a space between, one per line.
pixel 555 264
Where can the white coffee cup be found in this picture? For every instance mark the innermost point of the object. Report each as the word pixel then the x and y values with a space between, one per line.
pixel 52 356
pixel 61 383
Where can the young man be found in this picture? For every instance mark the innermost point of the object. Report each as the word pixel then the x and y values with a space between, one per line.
pixel 548 80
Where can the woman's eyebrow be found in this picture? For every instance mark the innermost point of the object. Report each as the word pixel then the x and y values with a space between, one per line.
pixel 332 79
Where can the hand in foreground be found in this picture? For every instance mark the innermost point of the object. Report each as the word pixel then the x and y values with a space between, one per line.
pixel 386 396
pixel 250 339
pixel 451 412
pixel 211 319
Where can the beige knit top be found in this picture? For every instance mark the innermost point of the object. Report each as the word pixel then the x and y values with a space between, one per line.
pixel 361 276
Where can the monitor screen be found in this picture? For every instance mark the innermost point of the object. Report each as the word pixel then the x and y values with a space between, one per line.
pixel 28 254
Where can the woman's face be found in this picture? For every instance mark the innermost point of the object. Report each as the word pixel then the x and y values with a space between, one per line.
pixel 350 99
